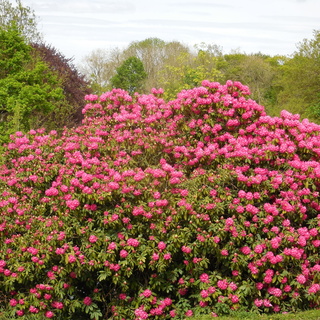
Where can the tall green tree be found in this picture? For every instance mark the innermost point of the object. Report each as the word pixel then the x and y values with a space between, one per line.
pixel 130 76
pixel 27 85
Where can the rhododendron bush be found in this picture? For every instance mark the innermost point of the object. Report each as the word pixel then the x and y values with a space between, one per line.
pixel 157 210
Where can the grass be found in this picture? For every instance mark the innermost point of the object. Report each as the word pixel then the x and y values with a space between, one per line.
pixel 306 315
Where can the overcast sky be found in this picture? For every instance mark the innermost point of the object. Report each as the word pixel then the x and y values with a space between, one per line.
pixel 77 27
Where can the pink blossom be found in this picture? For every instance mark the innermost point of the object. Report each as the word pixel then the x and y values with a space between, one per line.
pixel 112 246
pixel 189 313
pixel 133 242
pixel 93 239
pixel 258 248
pixel 13 302
pixel 204 277
pixel 49 314
pixel 301 279
pixel 224 252
pixel 258 302
pixel 245 250
pixel 229 222
pixel 204 293
pixel 234 298
pixel 233 286
pixel 73 204
pixel 52 192
pixel 222 284
pixel 72 258
pixel 123 253
pixel 57 305
pixel 33 309
pixel 314 288
pixel 162 245
pixel 141 314
pixel 186 249
pixel 146 293
pixel 87 301
pixel 167 256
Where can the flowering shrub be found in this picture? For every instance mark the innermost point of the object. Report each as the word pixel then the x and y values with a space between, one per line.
pixel 154 210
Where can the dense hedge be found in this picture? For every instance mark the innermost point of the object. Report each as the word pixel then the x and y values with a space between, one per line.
pixel 162 210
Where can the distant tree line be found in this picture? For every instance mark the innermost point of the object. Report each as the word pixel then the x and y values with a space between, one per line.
pixel 277 82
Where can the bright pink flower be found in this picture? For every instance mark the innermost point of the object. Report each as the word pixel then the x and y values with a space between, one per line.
pixel 267 303
pixel 33 309
pixel 301 279
pixel 13 302
pixel 147 293
pixel 186 249
pixel 49 314
pixel 224 252
pixel 123 253
pixel 222 284
pixel 57 305
pixel 314 288
pixel 258 248
pixel 245 250
pixel 229 222
pixel 233 286
pixel 112 246
pixel 141 314
pixel 133 242
pixel 189 313
pixel 87 301
pixel 52 192
pixel 162 245
pixel 204 277
pixel 73 204
pixel 258 302
pixel 93 239
pixel 204 293
pixel 155 256
pixel 167 256
pixel 72 258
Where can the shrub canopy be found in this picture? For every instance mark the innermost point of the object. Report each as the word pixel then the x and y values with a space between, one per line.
pixel 157 210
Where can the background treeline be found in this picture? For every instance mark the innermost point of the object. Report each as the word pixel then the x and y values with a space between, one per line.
pixel 39 87
pixel 277 82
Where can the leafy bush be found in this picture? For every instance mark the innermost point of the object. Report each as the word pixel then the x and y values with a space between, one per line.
pixel 162 210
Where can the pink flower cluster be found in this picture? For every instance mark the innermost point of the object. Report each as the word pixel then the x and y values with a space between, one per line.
pixel 204 198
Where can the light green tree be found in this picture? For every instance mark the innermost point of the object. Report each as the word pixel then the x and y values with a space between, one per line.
pixel 23 16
